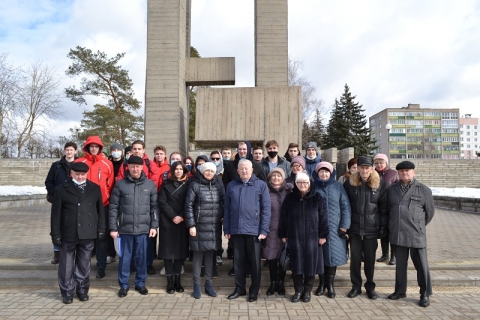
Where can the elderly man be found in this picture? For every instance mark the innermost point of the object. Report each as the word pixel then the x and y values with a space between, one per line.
pixel 77 219
pixel 411 208
pixel 133 217
pixel 246 221
pixel 368 201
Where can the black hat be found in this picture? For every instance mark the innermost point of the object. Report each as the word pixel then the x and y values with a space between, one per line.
pixel 127 149
pixel 405 165
pixel 79 167
pixel 364 161
pixel 135 160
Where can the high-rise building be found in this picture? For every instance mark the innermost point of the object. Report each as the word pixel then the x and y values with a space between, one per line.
pixel 469 137
pixel 412 132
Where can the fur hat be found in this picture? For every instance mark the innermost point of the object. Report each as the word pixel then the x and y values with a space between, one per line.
pixel 324 164
pixel 381 156
pixel 208 166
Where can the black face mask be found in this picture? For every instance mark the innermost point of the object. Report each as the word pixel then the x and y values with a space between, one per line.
pixel 272 154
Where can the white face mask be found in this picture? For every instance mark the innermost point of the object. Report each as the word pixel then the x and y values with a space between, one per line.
pixel 116 154
pixel 76 182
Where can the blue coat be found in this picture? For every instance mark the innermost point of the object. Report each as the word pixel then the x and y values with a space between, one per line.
pixel 247 207
pixel 339 216
pixel 310 164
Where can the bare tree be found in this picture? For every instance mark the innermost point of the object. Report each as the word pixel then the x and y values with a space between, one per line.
pixel 310 104
pixel 38 98
pixel 9 83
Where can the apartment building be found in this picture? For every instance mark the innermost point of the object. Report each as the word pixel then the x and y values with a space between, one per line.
pixel 469 137
pixel 412 132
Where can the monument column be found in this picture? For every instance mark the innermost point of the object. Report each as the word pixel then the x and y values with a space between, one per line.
pixel 166 98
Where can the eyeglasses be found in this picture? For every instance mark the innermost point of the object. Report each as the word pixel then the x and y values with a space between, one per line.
pixel 303 182
pixel 215 159
pixel 296 165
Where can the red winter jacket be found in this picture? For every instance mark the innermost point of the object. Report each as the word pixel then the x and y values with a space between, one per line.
pixel 152 173
pixel 100 169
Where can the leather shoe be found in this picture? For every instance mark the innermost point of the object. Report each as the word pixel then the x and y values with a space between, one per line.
pixel 150 270
pixel 100 273
pixel 142 290
pixel 396 296
pixel 306 297
pixel 353 293
pixel 372 295
pixel 424 301
pixel 383 258
pixel 296 297
pixel 393 261
pixel 236 294
pixel 231 272
pixel 122 292
pixel 83 297
pixel 252 298
pixel 67 300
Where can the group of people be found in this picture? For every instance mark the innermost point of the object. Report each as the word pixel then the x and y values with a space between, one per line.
pixel 260 204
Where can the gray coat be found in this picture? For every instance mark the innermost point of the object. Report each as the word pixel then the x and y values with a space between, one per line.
pixel 410 214
pixel 133 206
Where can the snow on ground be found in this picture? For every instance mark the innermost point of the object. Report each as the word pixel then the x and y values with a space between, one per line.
pixel 452 192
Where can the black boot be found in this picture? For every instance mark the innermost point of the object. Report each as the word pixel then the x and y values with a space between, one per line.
pixel 393 260
pixel 56 256
pixel 178 283
pixel 170 287
pixel 273 288
pixel 383 258
pixel 321 285
pixel 330 281
pixel 281 288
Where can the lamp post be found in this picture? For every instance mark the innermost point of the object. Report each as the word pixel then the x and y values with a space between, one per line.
pixel 77 129
pixel 388 126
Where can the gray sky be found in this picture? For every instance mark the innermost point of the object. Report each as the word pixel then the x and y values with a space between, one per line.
pixel 390 53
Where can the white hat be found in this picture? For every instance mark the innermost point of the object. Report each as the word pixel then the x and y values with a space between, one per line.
pixel 208 166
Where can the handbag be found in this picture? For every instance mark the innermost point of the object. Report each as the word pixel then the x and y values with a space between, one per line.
pixel 283 257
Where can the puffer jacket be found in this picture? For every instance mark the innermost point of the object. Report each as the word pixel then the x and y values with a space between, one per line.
pixel 151 171
pixel 204 211
pixel 133 206
pixel 282 163
pixel 100 169
pixel 247 207
pixel 310 164
pixel 339 216
pixel 368 201
pixel 389 176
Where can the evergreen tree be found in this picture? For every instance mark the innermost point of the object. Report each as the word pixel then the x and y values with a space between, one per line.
pixel 348 126
pixel 317 130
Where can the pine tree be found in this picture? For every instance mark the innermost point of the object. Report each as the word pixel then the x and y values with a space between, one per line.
pixel 348 126
pixel 317 130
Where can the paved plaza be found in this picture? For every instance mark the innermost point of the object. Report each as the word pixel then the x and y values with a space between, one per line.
pixel 28 287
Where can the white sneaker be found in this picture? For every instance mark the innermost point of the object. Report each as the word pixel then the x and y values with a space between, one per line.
pixel 183 270
pixel 162 272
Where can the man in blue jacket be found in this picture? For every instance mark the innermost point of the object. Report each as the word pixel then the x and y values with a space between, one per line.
pixel 246 222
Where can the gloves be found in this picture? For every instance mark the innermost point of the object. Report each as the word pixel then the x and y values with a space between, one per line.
pixel 57 242
pixel 381 233
pixel 101 236
pixel 342 234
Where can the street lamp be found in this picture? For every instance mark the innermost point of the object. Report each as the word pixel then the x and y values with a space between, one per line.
pixel 77 129
pixel 388 126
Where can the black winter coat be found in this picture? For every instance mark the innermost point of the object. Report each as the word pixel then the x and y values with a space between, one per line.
pixel 173 238
pixel 133 206
pixel 204 211
pixel 368 202
pixel 76 215
pixel 303 221
pixel 58 174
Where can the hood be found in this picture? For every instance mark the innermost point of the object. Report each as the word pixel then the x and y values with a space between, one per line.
pixel 202 156
pixel 92 139
pixel 373 182
pixel 249 152
pixel 220 165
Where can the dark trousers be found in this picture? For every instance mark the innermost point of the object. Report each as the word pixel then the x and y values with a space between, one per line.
pixel 74 267
pixel 204 258
pixel 151 249
pixel 368 246
pixel 246 248
pixel 385 242
pixel 102 247
pixel 303 284
pixel 129 243
pixel 276 271
pixel 419 259
pixel 173 267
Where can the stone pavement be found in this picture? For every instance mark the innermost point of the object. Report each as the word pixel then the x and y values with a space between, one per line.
pixel 28 285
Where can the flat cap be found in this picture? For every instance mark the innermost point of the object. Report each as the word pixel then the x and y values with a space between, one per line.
pixel 79 167
pixel 135 160
pixel 405 165
pixel 364 161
